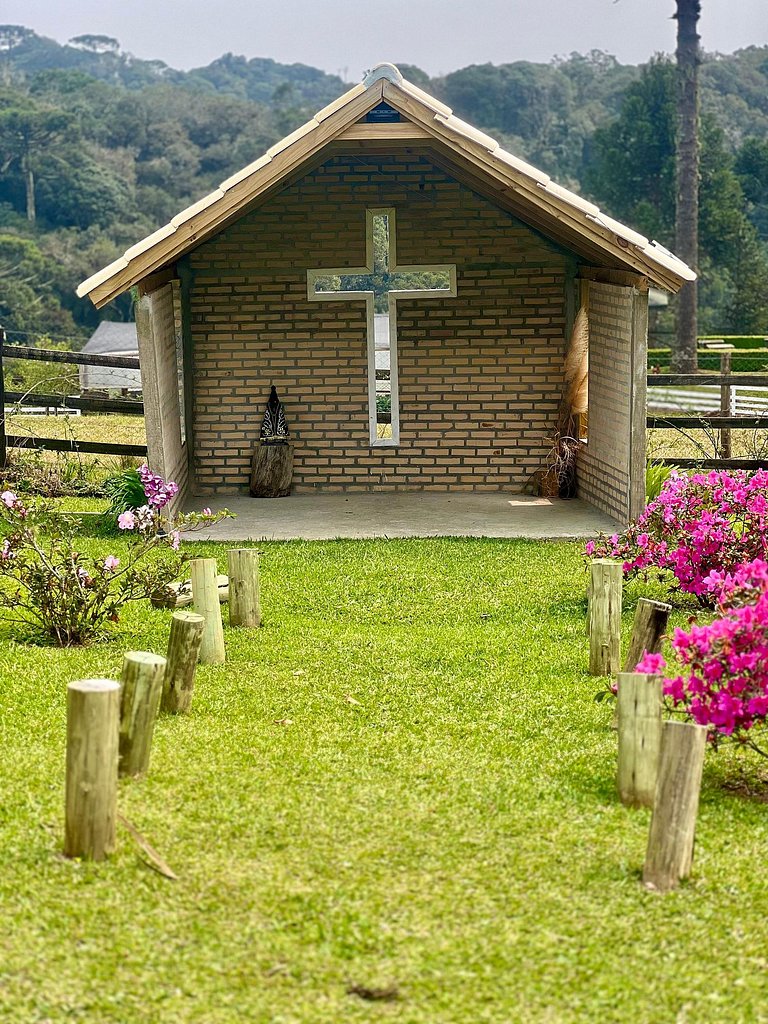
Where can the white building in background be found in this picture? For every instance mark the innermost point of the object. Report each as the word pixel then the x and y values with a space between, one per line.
pixel 111 339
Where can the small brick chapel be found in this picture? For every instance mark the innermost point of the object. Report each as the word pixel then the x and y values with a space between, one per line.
pixel 409 288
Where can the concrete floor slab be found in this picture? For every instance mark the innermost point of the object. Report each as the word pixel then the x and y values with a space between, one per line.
pixel 411 514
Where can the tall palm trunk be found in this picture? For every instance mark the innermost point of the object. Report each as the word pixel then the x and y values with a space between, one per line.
pixel 29 183
pixel 684 356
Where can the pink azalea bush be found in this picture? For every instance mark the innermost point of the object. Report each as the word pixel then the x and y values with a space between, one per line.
pixel 48 580
pixel 723 682
pixel 700 525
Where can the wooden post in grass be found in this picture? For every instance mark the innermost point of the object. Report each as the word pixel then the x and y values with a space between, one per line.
pixel 183 652
pixel 244 597
pixel 648 627
pixel 605 617
pixel 141 688
pixel 726 407
pixel 639 705
pixel 205 601
pixel 669 856
pixel 93 722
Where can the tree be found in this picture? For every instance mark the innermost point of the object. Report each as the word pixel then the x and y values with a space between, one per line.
pixel 632 174
pixel 25 130
pixel 684 355
pixel 95 43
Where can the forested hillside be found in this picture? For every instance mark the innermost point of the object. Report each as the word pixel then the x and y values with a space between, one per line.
pixel 97 148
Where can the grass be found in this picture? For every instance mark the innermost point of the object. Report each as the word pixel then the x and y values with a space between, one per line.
pixel 401 780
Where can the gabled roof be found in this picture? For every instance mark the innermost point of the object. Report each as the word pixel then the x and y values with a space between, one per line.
pixel 113 336
pixel 530 193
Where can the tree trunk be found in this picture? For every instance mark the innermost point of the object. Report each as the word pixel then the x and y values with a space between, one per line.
pixel 29 181
pixel 684 356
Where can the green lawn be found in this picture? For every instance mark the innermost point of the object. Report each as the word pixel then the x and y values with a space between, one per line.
pixel 401 780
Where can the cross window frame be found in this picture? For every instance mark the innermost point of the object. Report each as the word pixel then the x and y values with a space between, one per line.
pixel 393 296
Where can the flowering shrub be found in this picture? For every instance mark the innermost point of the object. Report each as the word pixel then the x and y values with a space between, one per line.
pixel 699 525
pixel 46 579
pixel 724 678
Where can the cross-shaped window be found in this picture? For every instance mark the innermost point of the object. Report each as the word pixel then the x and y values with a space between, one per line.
pixel 380 283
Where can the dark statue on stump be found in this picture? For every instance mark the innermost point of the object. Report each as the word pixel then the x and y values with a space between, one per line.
pixel 272 462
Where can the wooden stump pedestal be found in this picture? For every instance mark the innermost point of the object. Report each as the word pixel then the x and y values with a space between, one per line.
pixel 271 470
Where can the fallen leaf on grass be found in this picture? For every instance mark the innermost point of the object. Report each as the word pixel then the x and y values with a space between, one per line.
pixel 299 672
pixel 351 700
pixel 384 995
pixel 283 721
pixel 276 969
pixel 155 862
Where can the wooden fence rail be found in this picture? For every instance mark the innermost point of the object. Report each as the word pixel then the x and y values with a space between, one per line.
pixel 75 402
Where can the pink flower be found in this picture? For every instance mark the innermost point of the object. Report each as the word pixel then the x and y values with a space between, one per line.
pixel 589 547
pixel 175 540
pixel 207 512
pixel 8 498
pixel 126 520
pixel 111 562
pixel 651 664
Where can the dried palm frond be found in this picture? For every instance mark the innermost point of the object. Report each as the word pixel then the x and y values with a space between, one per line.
pixel 576 370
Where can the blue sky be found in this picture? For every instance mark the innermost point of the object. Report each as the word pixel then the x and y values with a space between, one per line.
pixel 348 36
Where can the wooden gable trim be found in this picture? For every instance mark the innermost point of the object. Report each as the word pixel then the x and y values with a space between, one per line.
pixel 604 275
pixel 402 131
pixel 558 210
pixel 210 221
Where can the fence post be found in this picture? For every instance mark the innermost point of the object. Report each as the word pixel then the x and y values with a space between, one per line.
pixel 3 445
pixel 648 627
pixel 726 406
pixel 605 617
pixel 205 601
pixel 639 707
pixel 669 856
pixel 244 597
pixel 93 722
pixel 183 651
pixel 141 687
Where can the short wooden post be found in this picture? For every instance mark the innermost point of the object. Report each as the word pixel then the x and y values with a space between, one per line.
pixel 639 704
pixel 141 688
pixel 669 857
pixel 726 407
pixel 183 652
pixel 244 597
pixel 205 601
pixel 93 717
pixel 605 617
pixel 648 628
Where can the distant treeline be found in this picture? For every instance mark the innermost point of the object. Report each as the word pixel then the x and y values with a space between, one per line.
pixel 97 148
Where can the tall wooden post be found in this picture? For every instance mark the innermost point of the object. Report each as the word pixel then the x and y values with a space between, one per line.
pixel 244 597
pixel 669 856
pixel 141 689
pixel 726 409
pixel 205 601
pixel 639 705
pixel 3 443
pixel 183 651
pixel 93 716
pixel 605 617
pixel 648 628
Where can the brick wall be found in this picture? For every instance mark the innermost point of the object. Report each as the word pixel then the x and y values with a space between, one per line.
pixel 480 374
pixel 157 325
pixel 605 463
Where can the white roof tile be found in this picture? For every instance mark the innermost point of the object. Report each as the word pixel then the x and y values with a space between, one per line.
pixel 149 241
pixel 246 172
pixel 198 207
pixel 101 276
pixel 293 137
pixel 468 131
